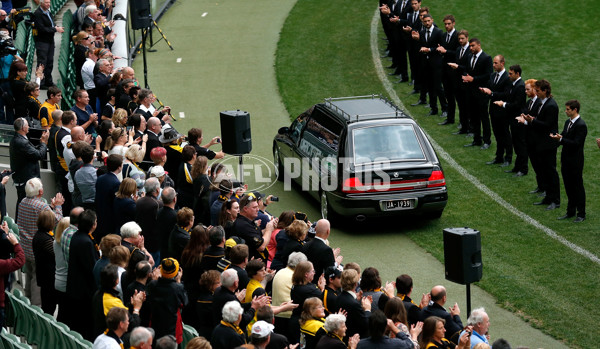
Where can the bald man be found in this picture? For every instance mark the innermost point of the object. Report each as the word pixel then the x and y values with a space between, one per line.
pixel 77 134
pixel 436 308
pixel 153 127
pixel 318 251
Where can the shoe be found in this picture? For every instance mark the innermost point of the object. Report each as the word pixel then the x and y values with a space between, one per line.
pixel 394 73
pixel 403 80
pixel 543 202
pixel 485 146
pixel 446 122
pixel 391 66
pixel 579 220
pixel 431 113
pixel 542 194
pixel 519 174
pixel 427 106
pixel 510 171
pixel 459 133
pixel 552 206
pixel 473 144
pixel 535 191
pixel 505 164
pixel 565 216
pixel 444 114
pixel 411 83
pixel 494 162
pixel 414 92
pixel 418 103
pixel 470 134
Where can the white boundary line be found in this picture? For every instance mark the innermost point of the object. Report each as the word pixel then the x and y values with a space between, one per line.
pixel 444 155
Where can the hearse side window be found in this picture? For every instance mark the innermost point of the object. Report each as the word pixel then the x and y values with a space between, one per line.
pixel 298 124
pixel 325 130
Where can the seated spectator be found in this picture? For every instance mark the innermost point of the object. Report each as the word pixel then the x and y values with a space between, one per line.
pixel 378 324
pixel 216 251
pixel 167 297
pixel 335 325
pixel 117 322
pixel 357 310
pixel 180 235
pixel 195 139
pixel 302 289
pixel 229 212
pixel 209 282
pixel 106 244
pixel 480 323
pixel 44 260
pixel 185 188
pixel 311 323
pixel 124 203
pixel 395 311
pixel 9 265
pixel 228 333
pixel 433 334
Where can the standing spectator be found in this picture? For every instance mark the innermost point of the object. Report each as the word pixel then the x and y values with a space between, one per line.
pixel 335 325
pixel 433 336
pixel 54 128
pixel 208 284
pixel 117 322
pixel 62 268
pixel 201 190
pixel 318 251
pixel 124 203
pixel 572 139
pixel 378 324
pixel 395 311
pixel 195 138
pixel 302 289
pixel 29 210
pixel 166 218
pixel 185 187
pixel 147 110
pixel 101 82
pixel 358 310
pixel 245 228
pixel 32 104
pixel 45 264
pixel 131 169
pixel 87 75
pixel 86 178
pixel 61 140
pixel 106 187
pixel 370 285
pixel 311 323
pixel 216 251
pixel 44 40
pixel 119 141
pixel 146 212
pixel 153 129
pixel 333 288
pixel 191 258
pixel 228 333
pixel 225 191
pixel 6 116
pixel 170 140
pixel 404 286
pixel 228 215
pixel 452 323
pixel 7 266
pixel 180 235
pixel 296 232
pixel 25 157
pixel 86 117
pixel 80 280
pixel 167 297
pixel 106 244
pixel 83 43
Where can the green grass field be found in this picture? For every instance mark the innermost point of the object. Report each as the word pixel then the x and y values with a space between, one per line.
pixel 325 53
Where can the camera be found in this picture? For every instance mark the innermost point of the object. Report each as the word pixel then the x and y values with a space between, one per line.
pixel 274 198
pixel 7 48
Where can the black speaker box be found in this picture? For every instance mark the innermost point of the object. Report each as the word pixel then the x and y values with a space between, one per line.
pixel 140 15
pixel 462 255
pixel 235 132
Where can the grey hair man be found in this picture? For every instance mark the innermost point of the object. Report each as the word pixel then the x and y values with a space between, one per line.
pixel 480 321
pixel 141 338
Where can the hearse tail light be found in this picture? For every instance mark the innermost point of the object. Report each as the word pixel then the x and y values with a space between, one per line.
pixel 436 179
pixel 353 185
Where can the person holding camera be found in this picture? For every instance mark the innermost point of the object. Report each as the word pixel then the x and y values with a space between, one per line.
pixel 9 265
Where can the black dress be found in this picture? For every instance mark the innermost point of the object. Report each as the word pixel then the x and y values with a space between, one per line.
pixel 45 266
pixel 201 192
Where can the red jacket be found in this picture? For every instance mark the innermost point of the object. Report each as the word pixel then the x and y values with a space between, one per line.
pixel 8 266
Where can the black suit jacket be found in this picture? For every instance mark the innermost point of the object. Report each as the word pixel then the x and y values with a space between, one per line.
pixel 152 143
pixel 320 255
pixel 481 72
pixel 413 312
pixel 545 123
pixel 515 99
pixel 357 319
pixel 499 91
pixel 43 26
pixel 451 47
pixel 146 213
pixel 573 141
pixel 25 158
pixel 453 323
pixel 436 39
pixel 106 187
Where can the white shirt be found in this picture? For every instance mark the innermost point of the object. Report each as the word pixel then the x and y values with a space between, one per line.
pixel 87 74
pixel 105 342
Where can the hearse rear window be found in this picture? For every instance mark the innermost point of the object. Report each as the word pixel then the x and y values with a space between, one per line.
pixel 386 143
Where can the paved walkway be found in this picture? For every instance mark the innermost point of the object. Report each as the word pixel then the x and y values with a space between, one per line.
pixel 223 60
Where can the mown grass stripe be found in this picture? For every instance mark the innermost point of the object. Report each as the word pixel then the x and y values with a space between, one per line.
pixel 448 158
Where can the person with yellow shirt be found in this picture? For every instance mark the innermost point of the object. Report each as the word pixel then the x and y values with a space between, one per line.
pixel 50 105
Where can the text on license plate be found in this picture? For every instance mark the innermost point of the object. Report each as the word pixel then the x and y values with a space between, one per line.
pixel 405 204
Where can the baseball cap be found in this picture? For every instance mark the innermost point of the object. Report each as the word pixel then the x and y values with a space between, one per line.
pixel 262 329
pixel 332 272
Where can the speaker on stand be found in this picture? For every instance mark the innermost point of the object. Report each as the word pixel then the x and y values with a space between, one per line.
pixel 462 257
pixel 236 136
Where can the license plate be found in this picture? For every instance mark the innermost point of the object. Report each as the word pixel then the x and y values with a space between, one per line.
pixel 405 204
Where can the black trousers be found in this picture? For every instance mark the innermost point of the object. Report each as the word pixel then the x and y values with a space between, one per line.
pixel 548 175
pixel 518 134
pixel 573 180
pixel 45 56
pixel 501 129
pixel 477 103
pixel 448 82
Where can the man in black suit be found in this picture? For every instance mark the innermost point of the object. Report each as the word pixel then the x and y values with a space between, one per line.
pixel 411 26
pixel 448 52
pixel 531 107
pixel 153 128
pixel 317 251
pixel 453 323
pixel 459 67
pixel 479 70
pixel 404 286
pixel 513 103
pixel 399 45
pixel 572 139
pixel 44 40
pixel 146 213
pixel 544 124
pixel 106 187
pixel 430 38
pixel 499 87
pixel 25 157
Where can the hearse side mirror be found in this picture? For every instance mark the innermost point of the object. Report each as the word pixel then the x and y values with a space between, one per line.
pixel 283 130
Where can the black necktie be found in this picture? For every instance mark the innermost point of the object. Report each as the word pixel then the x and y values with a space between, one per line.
pixel 569 127
pixel 473 62
pixel 402 6
pixel 415 17
pixel 427 36
pixel 462 52
pixel 497 78
pixel 530 105
pixel 540 108
pixel 448 38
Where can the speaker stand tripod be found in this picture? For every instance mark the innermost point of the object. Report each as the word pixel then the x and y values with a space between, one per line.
pixel 163 37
